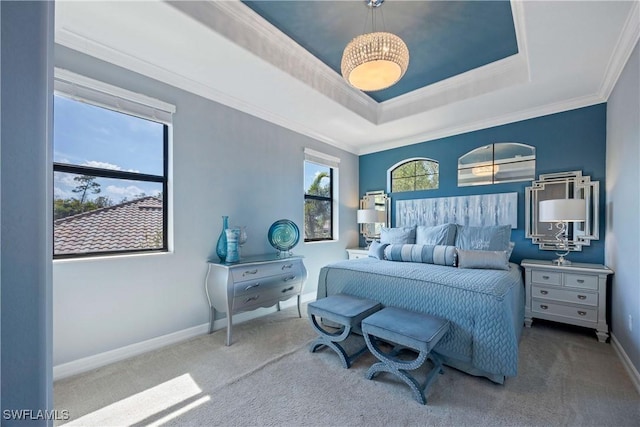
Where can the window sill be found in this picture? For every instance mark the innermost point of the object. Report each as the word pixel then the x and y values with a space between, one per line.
pixel 112 257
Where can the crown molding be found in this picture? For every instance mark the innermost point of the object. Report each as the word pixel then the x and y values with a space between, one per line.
pixel 498 120
pixel 627 41
pixel 244 27
pixel 81 43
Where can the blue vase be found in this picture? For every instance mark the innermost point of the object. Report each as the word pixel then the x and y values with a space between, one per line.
pixel 221 246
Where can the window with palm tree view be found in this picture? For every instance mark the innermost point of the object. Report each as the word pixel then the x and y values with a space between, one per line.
pixel 110 181
pixel 318 202
pixel 415 175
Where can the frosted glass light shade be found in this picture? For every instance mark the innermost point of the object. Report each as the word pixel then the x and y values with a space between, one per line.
pixel 374 61
pixel 559 210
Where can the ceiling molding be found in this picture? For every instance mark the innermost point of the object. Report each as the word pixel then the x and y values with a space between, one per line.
pixel 627 41
pixel 93 48
pixel 499 120
pixel 240 24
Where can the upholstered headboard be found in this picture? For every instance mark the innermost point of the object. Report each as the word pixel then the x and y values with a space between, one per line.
pixel 476 210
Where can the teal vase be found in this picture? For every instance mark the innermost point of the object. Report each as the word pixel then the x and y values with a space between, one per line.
pixel 221 246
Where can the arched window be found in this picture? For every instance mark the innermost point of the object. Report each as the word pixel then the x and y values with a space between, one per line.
pixel 414 175
pixel 497 163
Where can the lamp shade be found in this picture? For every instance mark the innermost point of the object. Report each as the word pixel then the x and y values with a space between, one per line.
pixel 559 210
pixel 369 216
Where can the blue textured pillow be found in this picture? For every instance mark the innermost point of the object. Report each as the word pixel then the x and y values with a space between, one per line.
pixel 398 235
pixel 376 249
pixel 492 238
pixel 494 260
pixel 430 254
pixel 444 234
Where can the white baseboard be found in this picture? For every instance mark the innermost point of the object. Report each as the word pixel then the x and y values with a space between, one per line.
pixel 631 370
pixel 88 363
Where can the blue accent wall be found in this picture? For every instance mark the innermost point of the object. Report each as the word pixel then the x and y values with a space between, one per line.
pixel 572 140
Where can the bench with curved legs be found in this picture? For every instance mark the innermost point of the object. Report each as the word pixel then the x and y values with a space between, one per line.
pixel 404 330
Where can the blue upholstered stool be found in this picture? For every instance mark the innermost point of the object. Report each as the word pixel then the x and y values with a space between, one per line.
pixel 404 329
pixel 345 310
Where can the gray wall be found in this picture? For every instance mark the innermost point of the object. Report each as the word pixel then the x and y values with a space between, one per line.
pixel 26 86
pixel 623 194
pixel 224 163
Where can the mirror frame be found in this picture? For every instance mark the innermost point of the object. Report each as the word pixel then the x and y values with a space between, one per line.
pixel 378 200
pixel 559 186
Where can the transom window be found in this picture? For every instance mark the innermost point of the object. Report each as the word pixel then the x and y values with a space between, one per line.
pixel 414 175
pixel 319 181
pixel 110 177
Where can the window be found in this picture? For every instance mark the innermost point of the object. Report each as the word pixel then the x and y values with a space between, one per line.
pixel 414 175
pixel 319 179
pixel 110 169
pixel 497 163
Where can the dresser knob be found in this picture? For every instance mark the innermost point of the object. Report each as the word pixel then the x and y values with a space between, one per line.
pixel 252 298
pixel 545 277
pixel 582 313
pixel 582 297
pixel 255 285
pixel 284 267
pixel 286 279
pixel 250 272
pixel 580 281
pixel 544 307
pixel 290 288
pixel 544 292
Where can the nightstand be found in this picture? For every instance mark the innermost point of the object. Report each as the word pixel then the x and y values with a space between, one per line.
pixel 575 294
pixel 355 253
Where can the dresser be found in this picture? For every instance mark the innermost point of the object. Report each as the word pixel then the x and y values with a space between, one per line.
pixel 355 253
pixel 575 294
pixel 253 282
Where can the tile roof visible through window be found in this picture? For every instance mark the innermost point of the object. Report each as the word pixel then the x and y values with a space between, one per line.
pixel 136 224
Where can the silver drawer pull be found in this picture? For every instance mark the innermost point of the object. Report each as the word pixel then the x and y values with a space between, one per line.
pixel 286 279
pixel 580 280
pixel 582 313
pixel 544 307
pixel 252 298
pixel 290 288
pixel 582 297
pixel 545 277
pixel 544 292
pixel 250 272
pixel 286 266
pixel 255 285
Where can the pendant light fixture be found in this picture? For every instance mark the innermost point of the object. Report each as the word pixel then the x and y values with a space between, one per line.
pixel 376 60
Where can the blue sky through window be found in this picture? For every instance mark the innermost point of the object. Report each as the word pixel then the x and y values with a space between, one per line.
pixel 93 136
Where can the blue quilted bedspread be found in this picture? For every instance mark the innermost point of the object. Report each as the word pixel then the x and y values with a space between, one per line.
pixel 485 307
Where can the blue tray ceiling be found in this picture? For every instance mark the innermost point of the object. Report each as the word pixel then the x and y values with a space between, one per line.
pixel 445 38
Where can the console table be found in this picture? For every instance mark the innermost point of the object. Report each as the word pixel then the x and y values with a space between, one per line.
pixel 253 282
pixel 575 293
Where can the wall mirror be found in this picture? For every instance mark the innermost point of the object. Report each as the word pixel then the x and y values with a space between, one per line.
pixel 563 185
pixel 374 213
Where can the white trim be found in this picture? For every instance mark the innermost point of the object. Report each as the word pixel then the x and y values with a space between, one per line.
pixel 115 98
pixel 92 362
pixel 626 362
pixel 88 363
pixel 322 158
pixel 624 47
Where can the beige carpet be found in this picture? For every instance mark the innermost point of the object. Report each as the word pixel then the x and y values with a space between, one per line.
pixel 268 377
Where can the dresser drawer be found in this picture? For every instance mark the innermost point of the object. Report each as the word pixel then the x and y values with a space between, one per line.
pixel 266 283
pixel 580 281
pixel 266 297
pixel 546 277
pixel 578 313
pixel 253 272
pixel 564 295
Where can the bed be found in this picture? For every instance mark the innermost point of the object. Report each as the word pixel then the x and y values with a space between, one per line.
pixel 485 306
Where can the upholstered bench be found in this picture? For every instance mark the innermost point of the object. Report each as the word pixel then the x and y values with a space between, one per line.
pixel 404 329
pixel 345 310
